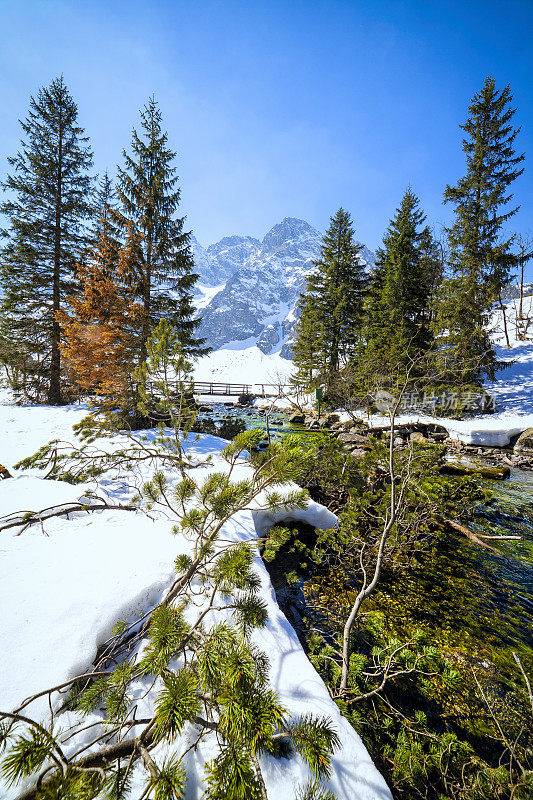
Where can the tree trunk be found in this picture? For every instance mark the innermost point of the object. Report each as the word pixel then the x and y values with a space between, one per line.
pixel 504 316
pixel 54 389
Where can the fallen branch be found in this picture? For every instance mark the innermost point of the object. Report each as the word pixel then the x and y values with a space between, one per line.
pixel 469 534
pixel 126 748
pixel 32 517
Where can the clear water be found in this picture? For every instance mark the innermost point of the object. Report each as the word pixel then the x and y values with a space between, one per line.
pixel 464 589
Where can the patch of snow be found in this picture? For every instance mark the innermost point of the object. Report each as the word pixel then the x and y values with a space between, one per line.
pixel 204 294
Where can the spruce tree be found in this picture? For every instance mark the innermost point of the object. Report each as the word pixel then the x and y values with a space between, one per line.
pixel 401 287
pixel 149 198
pixel 48 206
pixel 104 225
pixel 481 258
pixel 328 332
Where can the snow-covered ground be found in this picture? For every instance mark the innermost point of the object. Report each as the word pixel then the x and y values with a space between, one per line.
pixel 65 584
pixel 243 362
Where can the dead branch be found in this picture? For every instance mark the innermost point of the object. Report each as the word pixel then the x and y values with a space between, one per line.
pixel 25 519
pixel 469 534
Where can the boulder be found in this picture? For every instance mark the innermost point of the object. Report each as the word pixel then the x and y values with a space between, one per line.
pixel 268 340
pixel 417 437
pixel 352 438
pixel 297 419
pixel 465 465
pixel 524 443
pixel 357 452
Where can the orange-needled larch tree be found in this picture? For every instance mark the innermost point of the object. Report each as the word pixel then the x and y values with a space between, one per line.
pixel 102 328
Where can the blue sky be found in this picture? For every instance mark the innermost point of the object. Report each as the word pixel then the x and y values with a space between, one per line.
pixel 279 108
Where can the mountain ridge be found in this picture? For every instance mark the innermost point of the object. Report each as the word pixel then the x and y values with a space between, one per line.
pixel 260 283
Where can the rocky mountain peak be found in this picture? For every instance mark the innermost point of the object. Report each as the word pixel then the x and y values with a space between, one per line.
pixel 288 229
pixel 262 283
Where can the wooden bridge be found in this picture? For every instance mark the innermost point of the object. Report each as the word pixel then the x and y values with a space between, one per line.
pixel 236 389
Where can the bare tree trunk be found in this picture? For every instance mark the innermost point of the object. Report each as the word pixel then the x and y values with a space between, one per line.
pixel 368 588
pixel 504 316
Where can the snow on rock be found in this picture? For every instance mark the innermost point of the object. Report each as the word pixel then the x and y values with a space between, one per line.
pixel 314 514
pixel 216 263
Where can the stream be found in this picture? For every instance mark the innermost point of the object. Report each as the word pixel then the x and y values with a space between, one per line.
pixel 468 597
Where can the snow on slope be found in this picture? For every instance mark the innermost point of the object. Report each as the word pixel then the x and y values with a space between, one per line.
pixel 60 598
pixel 219 261
pixel 249 365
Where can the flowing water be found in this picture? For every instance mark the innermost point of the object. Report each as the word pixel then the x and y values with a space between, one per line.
pixel 469 597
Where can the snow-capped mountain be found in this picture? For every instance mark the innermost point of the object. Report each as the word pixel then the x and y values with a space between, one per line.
pixel 262 283
pixel 219 261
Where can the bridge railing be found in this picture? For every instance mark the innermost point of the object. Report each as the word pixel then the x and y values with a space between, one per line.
pixel 222 389
pixel 207 387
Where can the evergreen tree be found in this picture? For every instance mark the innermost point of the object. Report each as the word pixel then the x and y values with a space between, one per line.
pixel 328 332
pixel 48 206
pixel 481 257
pixel 105 227
pixel 149 197
pixel 401 287
pixel 102 329
pixel 305 346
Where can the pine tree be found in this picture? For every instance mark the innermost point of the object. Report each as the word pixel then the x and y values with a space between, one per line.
pixel 48 206
pixel 481 256
pixel 328 332
pixel 305 347
pixel 401 287
pixel 149 197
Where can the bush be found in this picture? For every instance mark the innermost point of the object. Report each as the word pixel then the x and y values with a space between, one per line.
pixel 229 428
pixel 246 399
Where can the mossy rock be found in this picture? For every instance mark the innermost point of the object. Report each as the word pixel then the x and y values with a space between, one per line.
pixel 524 443
pixel 460 465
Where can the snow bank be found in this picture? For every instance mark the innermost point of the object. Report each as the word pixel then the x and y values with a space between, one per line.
pixel 65 585
pixel 488 430
pixel 24 429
